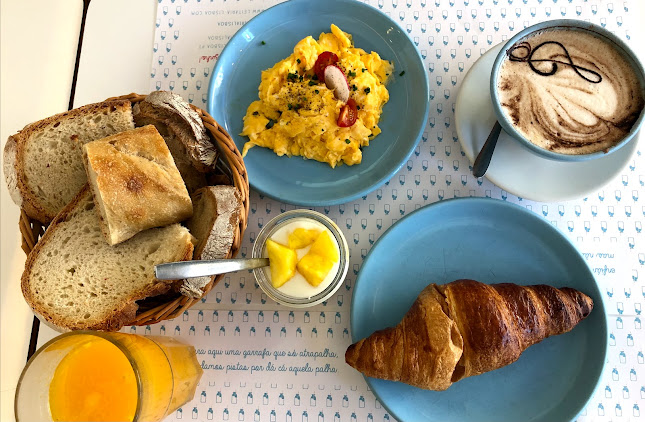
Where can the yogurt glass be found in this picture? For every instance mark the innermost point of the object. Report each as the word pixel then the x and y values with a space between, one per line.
pixel 297 292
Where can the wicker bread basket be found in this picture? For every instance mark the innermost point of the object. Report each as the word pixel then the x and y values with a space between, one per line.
pixel 153 310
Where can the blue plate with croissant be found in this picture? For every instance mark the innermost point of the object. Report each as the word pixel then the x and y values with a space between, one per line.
pixel 478 310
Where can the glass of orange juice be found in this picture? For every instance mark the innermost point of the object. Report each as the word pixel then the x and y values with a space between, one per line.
pixel 96 376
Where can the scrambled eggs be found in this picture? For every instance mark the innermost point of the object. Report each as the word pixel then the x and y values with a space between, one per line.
pixel 297 114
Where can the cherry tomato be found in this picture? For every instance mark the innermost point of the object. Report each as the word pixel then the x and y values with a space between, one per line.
pixel 348 114
pixel 326 58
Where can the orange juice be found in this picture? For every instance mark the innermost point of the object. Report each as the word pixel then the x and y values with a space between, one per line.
pixel 166 389
pixel 95 382
pixel 95 376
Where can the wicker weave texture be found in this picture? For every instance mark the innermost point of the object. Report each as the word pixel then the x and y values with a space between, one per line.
pixel 171 307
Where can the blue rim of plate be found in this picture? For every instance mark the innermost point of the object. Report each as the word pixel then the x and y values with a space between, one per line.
pixel 477 201
pixel 373 184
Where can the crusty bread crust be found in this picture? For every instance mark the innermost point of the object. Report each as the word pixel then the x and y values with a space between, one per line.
pixel 215 221
pixel 29 202
pixel 228 204
pixel 124 312
pixel 135 183
pixel 9 168
pixel 170 110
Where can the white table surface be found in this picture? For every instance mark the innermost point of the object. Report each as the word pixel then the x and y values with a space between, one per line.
pixel 38 43
pixel 39 39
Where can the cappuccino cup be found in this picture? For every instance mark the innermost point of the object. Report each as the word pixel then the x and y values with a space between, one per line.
pixel 568 90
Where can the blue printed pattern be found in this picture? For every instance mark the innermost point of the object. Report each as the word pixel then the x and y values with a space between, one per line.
pixel 239 394
pixel 451 35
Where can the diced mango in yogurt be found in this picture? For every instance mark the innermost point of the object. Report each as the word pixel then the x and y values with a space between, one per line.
pixel 314 268
pixel 282 262
pixel 325 246
pixel 301 238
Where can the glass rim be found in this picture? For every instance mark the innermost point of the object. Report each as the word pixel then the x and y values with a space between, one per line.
pixel 274 224
pixel 104 336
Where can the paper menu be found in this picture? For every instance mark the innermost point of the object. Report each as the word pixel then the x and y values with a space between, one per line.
pixel 271 365
pixel 450 34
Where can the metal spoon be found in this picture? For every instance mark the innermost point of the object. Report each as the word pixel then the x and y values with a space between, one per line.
pixel 483 158
pixel 191 269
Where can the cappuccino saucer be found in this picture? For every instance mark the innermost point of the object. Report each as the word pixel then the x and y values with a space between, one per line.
pixel 513 167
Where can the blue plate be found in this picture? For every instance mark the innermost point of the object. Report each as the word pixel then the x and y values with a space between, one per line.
pixel 236 77
pixel 493 242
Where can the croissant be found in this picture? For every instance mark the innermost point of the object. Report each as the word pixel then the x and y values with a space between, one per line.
pixel 466 328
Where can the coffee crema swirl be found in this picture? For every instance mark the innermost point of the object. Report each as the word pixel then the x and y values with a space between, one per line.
pixel 576 95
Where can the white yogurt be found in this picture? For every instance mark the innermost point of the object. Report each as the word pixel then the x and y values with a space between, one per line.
pixel 298 286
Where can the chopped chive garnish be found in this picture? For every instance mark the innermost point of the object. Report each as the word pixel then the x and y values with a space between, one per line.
pixel 312 83
pixel 354 87
pixel 255 113
pixel 402 73
pixel 263 43
pixel 270 124
pixel 316 91
pixel 367 90
pixel 347 141
pixel 351 73
pixel 298 60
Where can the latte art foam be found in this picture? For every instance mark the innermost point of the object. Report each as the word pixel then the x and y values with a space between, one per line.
pixel 569 91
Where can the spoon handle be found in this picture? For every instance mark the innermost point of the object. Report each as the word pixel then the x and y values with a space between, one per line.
pixel 190 269
pixel 483 158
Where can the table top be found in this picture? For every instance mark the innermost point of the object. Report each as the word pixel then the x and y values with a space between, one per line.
pixel 172 44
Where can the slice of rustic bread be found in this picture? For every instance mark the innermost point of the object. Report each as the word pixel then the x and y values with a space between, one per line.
pixel 184 132
pixel 135 183
pixel 216 216
pixel 75 280
pixel 43 165
pixel 215 220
